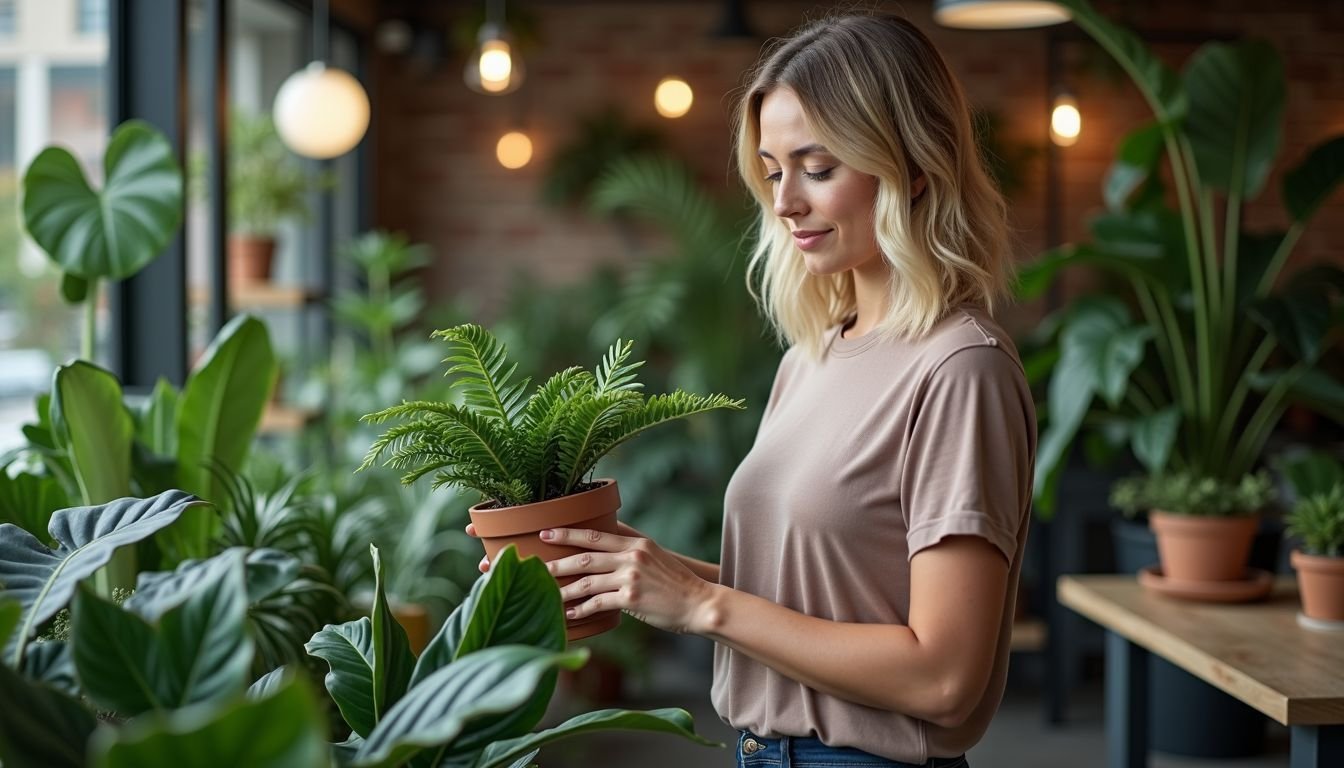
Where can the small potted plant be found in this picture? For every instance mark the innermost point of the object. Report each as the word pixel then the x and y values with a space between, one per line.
pixel 531 457
pixel 1317 520
pixel 266 186
pixel 1204 528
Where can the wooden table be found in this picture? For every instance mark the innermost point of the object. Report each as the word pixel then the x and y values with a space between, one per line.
pixel 1255 652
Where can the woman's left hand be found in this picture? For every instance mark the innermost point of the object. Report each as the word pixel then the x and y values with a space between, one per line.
pixel 631 574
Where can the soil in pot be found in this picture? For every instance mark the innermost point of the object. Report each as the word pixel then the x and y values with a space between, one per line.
pixel 592 508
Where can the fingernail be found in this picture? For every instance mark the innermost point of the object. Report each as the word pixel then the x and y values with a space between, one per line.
pixel 571 613
pixel 547 535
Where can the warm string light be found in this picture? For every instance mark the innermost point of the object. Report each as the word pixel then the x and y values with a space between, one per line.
pixel 673 97
pixel 513 150
pixel 1066 122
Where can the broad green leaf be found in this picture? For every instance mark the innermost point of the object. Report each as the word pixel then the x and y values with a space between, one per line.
pixel 1146 243
pixel 1315 179
pixel 493 694
pixel 41 727
pixel 1255 251
pixel 51 662
pixel 43 580
pixel 282 729
pixel 90 421
pixel 517 602
pixel 1153 436
pixel 114 232
pixel 74 289
pixel 156 420
pixel 265 572
pixel 348 650
pixel 1315 389
pixel 1160 86
pixel 1298 320
pixel 221 406
pixel 29 500
pixel 392 657
pixel 198 651
pixel 1313 473
pixel 268 683
pixel 1235 118
pixel 677 722
pixel 1135 161
pixel 10 611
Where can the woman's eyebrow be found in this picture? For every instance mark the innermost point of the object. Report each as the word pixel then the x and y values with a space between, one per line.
pixel 810 149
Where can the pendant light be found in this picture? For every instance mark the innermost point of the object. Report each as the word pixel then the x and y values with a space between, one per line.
pixel 493 67
pixel 320 111
pixel 1066 122
pixel 998 14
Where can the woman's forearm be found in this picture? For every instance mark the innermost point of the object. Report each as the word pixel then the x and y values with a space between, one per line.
pixel 705 570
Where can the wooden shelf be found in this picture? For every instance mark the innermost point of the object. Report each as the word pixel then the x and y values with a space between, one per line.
pixel 261 296
pixel 1028 635
pixel 283 419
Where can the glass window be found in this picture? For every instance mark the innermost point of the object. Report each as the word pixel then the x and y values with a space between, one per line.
pixel 91 17
pixel 8 20
pixel 51 92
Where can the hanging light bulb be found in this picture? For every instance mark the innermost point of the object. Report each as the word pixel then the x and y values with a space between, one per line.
pixel 673 97
pixel 514 150
pixel 1066 122
pixel 998 14
pixel 492 67
pixel 321 112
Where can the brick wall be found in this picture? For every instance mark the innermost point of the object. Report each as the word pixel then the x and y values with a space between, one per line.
pixel 438 180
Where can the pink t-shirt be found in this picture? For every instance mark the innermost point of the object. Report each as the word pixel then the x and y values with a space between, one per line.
pixel 862 459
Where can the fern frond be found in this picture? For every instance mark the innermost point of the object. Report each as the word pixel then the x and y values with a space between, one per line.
pixel 481 359
pixel 615 375
pixel 407 408
pixel 590 423
pixel 660 409
pixel 396 437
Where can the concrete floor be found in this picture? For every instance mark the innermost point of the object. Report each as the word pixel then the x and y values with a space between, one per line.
pixel 1018 738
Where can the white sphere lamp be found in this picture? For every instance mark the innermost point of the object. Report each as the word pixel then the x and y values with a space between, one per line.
pixel 321 112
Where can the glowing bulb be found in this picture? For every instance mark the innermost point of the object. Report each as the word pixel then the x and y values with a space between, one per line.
pixel 1066 122
pixel 492 68
pixel 514 150
pixel 673 97
pixel 321 111
pixel 496 61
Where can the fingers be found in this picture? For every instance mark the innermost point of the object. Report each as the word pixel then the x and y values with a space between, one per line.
pixel 484 565
pixel 594 584
pixel 588 539
pixel 584 562
pixel 471 530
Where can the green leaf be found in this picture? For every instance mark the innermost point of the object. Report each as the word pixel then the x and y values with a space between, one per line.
pixel 10 611
pixel 74 289
pixel 1235 118
pixel 115 232
pixel 1312 182
pixel 1298 320
pixel 1135 161
pixel 1255 251
pixel 392 657
pixel 517 602
pixel 485 384
pixel 53 663
pixel 41 727
pixel 1315 389
pixel 197 651
pixel 44 580
pixel 1144 243
pixel 156 420
pixel 221 406
pixel 29 500
pixel 92 424
pixel 348 650
pixel 265 572
pixel 1160 86
pixel 268 683
pixel 677 722
pixel 1154 436
pixel 283 729
pixel 497 693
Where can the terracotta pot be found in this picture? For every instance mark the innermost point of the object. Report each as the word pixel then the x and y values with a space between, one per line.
pixel 1198 548
pixel 595 508
pixel 250 259
pixel 1321 582
pixel 415 620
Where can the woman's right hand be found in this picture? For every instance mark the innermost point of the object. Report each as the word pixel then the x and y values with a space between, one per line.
pixel 484 565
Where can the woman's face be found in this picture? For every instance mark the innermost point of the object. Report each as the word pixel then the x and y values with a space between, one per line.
pixel 827 205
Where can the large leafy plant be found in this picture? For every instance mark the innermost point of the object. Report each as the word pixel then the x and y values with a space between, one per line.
pixel 517 449
pixel 1190 385
pixel 168 670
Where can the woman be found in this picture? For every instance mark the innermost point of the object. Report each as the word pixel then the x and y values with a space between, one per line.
pixel 873 536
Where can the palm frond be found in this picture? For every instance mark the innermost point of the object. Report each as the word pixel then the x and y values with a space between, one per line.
pixel 615 374
pixel 481 359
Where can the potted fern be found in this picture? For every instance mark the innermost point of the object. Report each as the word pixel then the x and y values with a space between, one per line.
pixel 531 457
pixel 1317 522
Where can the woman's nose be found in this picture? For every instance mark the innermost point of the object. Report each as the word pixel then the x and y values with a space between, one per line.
pixel 787 200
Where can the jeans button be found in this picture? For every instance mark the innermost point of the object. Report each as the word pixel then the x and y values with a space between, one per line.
pixel 751 747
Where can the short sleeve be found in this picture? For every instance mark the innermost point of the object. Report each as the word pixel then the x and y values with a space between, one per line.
pixel 969 453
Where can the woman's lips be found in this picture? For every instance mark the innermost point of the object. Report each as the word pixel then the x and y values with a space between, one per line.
pixel 809 239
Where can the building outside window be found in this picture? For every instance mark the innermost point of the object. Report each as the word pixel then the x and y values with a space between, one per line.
pixel 91 17
pixel 8 18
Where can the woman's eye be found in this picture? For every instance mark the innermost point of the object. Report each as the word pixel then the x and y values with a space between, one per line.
pixel 819 175
pixel 774 176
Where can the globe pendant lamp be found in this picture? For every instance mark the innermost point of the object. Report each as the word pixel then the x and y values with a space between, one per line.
pixel 998 14
pixel 320 111
pixel 493 67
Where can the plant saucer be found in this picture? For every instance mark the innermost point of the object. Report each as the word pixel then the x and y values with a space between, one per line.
pixel 1256 584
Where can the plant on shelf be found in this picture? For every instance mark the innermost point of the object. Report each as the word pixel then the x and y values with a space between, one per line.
pixel 267 185
pixel 1221 347
pixel 1317 520
pixel 167 670
pixel 530 457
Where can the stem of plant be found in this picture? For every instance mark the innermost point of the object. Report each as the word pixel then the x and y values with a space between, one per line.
pixel 90 320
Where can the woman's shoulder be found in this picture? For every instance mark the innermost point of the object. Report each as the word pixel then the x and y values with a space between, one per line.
pixel 968 338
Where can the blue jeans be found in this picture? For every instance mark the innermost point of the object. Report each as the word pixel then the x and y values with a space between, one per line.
pixel 804 752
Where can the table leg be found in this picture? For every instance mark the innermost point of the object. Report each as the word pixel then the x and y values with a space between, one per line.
pixel 1126 703
pixel 1316 746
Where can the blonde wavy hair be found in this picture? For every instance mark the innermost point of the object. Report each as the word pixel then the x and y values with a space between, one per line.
pixel 881 99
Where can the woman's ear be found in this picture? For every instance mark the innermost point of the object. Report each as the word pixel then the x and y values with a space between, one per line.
pixel 917 186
